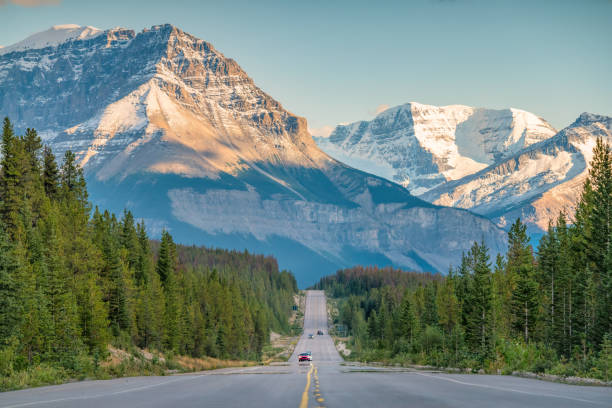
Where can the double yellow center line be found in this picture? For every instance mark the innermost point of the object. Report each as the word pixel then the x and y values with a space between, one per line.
pixel 304 403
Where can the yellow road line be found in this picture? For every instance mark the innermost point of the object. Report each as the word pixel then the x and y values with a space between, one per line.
pixel 304 403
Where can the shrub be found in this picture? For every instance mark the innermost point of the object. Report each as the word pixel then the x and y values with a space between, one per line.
pixel 42 374
pixel 7 357
pixel 431 338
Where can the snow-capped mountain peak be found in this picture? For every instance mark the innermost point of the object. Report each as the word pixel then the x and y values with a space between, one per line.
pixel 536 183
pixel 422 146
pixel 54 36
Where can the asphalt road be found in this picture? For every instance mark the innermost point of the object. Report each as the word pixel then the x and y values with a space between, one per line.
pixel 326 382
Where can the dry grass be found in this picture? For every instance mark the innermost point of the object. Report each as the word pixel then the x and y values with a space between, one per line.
pixel 118 357
pixel 208 363
pixel 280 348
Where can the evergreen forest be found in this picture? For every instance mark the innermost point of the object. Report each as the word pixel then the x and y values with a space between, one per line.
pixel 76 279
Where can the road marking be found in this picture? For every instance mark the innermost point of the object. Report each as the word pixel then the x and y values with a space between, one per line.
pixel 304 403
pixel 509 389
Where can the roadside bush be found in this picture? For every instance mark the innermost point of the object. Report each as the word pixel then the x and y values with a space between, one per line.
pixel 431 338
pixel 7 359
pixel 42 374
pixel 604 362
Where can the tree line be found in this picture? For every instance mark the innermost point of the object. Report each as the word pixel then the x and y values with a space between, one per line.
pixel 543 310
pixel 74 279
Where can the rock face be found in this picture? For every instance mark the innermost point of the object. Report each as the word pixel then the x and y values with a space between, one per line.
pixel 422 146
pixel 536 183
pixel 166 125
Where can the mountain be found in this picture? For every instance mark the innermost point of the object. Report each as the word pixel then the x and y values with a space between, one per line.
pixel 166 125
pixel 423 146
pixel 535 183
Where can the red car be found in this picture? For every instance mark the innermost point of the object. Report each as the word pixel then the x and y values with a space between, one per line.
pixel 307 356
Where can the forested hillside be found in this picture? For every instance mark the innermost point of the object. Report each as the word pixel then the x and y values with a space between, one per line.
pixel 74 279
pixel 360 280
pixel 547 309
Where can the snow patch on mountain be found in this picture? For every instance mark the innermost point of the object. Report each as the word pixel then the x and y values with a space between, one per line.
pixel 52 37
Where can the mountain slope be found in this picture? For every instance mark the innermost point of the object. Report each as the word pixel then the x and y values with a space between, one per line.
pixel 536 183
pixel 422 146
pixel 165 124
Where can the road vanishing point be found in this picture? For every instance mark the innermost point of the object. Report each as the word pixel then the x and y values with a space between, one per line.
pixel 325 382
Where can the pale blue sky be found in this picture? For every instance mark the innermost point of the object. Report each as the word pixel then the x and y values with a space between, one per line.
pixel 337 61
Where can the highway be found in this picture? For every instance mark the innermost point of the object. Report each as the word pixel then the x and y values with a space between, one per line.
pixel 327 382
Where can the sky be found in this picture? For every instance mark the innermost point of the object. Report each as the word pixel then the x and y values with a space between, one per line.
pixel 342 61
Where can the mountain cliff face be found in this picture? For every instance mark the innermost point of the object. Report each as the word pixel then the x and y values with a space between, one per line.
pixel 164 124
pixel 536 183
pixel 422 146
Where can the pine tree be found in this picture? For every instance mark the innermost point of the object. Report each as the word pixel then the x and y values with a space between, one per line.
pixel 479 321
pixel 50 174
pixel 166 262
pixel 31 166
pixel 260 337
pixel 70 172
pixel 566 263
pixel 151 317
pixel 502 294
pixel 429 316
pixel 547 271
pixel 65 341
pixel 143 263
pixel 408 321
pixel 119 313
pixel 447 305
pixel 33 146
pixel 172 318
pixel 521 267
pixel 11 182
pixel 373 326
pixel 10 305
pixel 463 287
pixel 94 315
pixel 34 331
pixel 129 239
